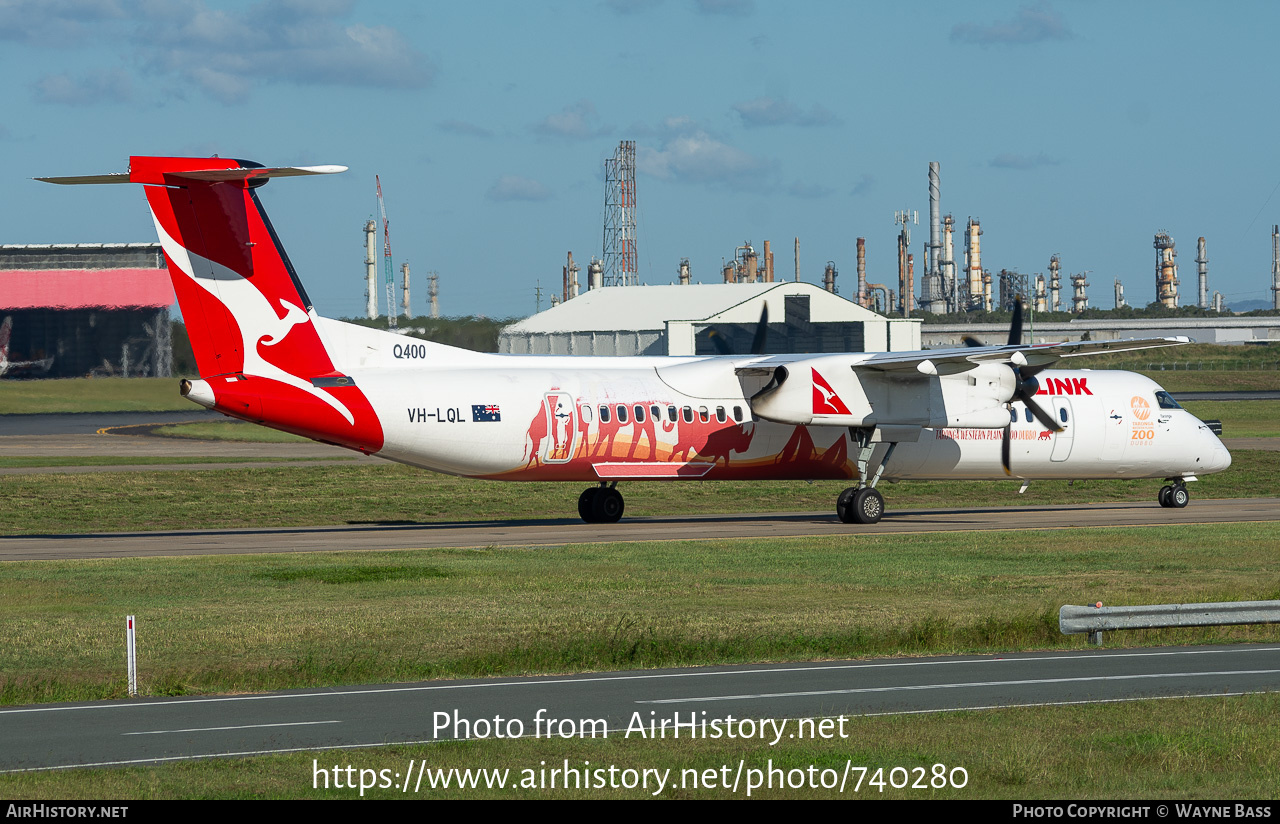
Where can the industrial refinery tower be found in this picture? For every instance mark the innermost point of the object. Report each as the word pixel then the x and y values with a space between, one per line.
pixel 620 267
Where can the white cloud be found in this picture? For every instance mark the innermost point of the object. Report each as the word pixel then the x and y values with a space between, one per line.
pixel 462 127
pixel 632 6
pixel 731 8
pixel 575 122
pixel 56 22
pixel 514 187
pixel 809 191
pixel 1013 160
pixel 772 111
pixel 227 53
pixel 697 157
pixel 1031 24
pixel 111 86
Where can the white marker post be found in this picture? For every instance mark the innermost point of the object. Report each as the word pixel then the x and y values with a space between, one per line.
pixel 133 658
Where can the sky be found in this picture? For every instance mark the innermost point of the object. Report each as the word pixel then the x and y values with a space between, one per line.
pixel 1072 128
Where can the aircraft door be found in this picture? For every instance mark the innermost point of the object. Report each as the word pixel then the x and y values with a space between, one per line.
pixel 562 428
pixel 1062 442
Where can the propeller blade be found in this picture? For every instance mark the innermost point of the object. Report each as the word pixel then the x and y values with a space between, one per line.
pixel 1044 417
pixel 1004 451
pixel 717 340
pixel 1015 326
pixel 762 331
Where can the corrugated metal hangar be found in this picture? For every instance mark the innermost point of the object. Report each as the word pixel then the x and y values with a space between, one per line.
pixel 71 310
pixel 678 320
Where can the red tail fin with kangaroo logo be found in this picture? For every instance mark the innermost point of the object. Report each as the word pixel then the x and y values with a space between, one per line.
pixel 246 311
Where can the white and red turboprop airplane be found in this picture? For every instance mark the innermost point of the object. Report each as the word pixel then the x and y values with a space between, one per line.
pixel 977 412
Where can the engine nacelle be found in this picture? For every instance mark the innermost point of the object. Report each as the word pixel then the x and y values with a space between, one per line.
pixel 827 392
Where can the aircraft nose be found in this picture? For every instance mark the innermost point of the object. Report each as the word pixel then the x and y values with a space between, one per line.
pixel 1220 459
pixel 1211 455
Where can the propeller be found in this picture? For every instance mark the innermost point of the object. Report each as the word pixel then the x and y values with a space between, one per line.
pixel 757 342
pixel 1025 386
pixel 762 331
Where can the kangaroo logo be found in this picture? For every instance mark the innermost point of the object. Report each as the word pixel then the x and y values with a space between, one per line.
pixel 825 399
pixel 258 321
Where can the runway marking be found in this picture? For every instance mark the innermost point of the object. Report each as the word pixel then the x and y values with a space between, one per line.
pixel 636 677
pixel 241 727
pixel 424 742
pixel 917 687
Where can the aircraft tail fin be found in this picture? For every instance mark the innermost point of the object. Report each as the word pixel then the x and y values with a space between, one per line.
pixel 246 311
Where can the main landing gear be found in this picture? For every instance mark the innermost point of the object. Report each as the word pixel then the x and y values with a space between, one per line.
pixel 601 504
pixel 1174 496
pixel 863 504
pixel 860 506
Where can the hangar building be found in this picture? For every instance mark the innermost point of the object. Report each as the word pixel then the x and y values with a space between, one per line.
pixel 678 320
pixel 85 309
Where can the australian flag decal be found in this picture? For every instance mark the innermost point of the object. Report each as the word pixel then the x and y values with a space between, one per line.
pixel 481 413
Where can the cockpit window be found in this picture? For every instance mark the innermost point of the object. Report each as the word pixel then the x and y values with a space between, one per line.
pixel 1166 400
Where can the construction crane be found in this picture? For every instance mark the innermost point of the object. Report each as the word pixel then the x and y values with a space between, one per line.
pixel 386 258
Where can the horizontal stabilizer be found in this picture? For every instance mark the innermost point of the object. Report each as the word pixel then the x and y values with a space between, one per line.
pixel 79 180
pixel 158 174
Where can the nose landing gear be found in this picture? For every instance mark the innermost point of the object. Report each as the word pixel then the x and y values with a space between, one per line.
pixel 1174 496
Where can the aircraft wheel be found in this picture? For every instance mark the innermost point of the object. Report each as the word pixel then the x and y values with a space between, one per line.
pixel 844 505
pixel 1166 492
pixel 868 506
pixel 1179 496
pixel 607 506
pixel 585 502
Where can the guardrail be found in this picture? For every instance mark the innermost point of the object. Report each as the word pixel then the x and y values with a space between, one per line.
pixel 1094 620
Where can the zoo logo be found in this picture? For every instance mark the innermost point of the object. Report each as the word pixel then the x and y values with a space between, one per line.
pixel 1141 409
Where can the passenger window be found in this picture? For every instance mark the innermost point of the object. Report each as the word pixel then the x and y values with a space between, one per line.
pixel 688 414
pixel 639 413
pixel 1028 414
pixel 586 413
pixel 671 414
pixel 622 413
pixel 737 414
pixel 1062 414
pixel 703 414
pixel 655 412
pixel 604 414
pixel 1013 416
pixel 720 416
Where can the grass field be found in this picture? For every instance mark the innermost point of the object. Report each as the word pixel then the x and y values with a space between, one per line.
pixel 232 624
pixel 1215 381
pixel 236 623
pixel 1240 419
pixel 303 495
pixel 92 395
pixel 37 461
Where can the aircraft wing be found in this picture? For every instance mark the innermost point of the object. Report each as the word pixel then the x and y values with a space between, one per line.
pixel 961 359
pixel 902 388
